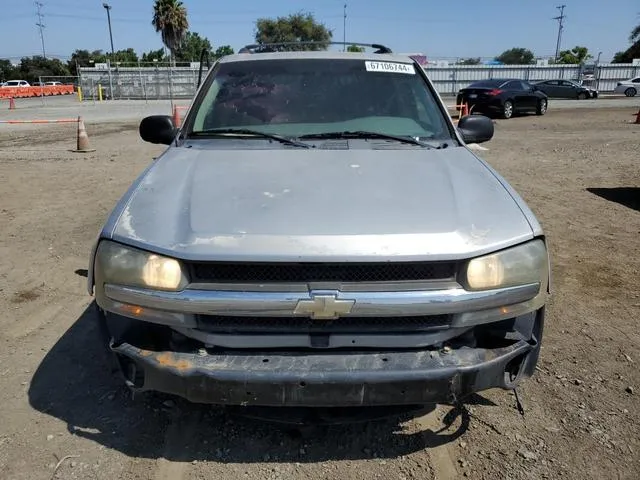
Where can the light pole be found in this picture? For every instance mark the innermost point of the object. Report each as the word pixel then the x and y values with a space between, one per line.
pixel 344 29
pixel 107 7
pixel 596 71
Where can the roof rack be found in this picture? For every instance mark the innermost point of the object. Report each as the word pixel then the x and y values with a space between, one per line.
pixel 270 47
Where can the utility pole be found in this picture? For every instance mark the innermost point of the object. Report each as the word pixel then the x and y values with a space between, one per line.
pixel 560 19
pixel 40 25
pixel 107 7
pixel 344 29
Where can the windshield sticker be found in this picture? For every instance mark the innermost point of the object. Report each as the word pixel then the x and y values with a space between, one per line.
pixel 390 67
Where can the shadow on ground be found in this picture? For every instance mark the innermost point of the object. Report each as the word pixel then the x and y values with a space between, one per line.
pixel 74 384
pixel 627 196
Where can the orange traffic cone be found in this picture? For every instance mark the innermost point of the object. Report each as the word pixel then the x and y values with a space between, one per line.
pixel 12 103
pixel 83 139
pixel 638 117
pixel 176 116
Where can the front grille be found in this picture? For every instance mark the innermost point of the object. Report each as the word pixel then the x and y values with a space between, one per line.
pixel 219 272
pixel 303 325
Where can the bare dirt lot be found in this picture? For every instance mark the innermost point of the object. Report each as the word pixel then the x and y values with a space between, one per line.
pixel 62 415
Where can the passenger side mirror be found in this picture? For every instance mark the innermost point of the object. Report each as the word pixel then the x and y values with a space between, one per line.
pixel 476 128
pixel 158 129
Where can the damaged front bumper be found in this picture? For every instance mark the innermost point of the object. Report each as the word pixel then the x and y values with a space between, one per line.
pixel 339 378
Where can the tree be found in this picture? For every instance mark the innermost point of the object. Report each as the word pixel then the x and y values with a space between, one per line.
pixel 635 34
pixel 619 57
pixel 85 58
pixel 222 51
pixel 152 55
pixel 170 20
pixel 633 51
pixel 32 68
pixel 125 56
pixel 299 27
pixel 469 61
pixel 7 70
pixel 516 56
pixel 192 47
pixel 355 49
pixel 576 55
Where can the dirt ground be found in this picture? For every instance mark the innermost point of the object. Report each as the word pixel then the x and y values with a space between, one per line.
pixel 63 416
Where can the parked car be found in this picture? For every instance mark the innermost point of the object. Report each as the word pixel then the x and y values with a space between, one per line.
pixel 629 87
pixel 504 97
pixel 53 84
pixel 566 89
pixel 318 233
pixel 16 83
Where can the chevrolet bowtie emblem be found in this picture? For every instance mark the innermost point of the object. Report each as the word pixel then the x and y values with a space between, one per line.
pixel 324 307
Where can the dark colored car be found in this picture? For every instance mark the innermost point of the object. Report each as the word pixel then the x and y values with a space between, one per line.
pixel 566 89
pixel 504 97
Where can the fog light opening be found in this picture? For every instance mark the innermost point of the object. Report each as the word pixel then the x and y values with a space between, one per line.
pixel 512 370
pixel 134 376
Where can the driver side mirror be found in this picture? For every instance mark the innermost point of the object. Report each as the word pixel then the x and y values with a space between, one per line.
pixel 476 128
pixel 158 129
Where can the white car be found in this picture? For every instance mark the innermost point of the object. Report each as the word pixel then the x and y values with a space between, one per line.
pixel 629 87
pixel 16 83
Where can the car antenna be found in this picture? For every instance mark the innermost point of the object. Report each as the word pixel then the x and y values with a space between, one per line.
pixel 203 54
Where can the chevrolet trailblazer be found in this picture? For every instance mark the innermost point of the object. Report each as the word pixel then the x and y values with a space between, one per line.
pixel 317 233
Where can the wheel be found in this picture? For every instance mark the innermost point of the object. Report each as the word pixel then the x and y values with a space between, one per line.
pixel 507 109
pixel 582 96
pixel 630 92
pixel 541 109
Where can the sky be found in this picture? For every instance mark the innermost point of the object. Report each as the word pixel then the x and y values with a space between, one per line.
pixel 438 29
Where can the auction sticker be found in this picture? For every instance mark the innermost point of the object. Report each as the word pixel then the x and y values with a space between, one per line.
pixel 390 67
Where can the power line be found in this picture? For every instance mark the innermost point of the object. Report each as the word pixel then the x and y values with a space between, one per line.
pixel 40 25
pixel 560 20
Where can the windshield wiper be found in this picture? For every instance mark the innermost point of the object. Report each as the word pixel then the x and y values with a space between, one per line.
pixel 364 134
pixel 249 132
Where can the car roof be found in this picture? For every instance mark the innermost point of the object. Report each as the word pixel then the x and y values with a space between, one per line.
pixel 499 80
pixel 318 55
pixel 557 80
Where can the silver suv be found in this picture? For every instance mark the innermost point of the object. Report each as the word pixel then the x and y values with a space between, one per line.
pixel 317 233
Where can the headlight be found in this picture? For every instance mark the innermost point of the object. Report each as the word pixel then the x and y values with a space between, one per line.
pixel 521 265
pixel 129 266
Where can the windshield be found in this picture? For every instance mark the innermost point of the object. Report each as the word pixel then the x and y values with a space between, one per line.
pixel 296 97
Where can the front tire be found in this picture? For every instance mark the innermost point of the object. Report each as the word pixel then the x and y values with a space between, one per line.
pixel 630 92
pixel 541 109
pixel 582 96
pixel 507 109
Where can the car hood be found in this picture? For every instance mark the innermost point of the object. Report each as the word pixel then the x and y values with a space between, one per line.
pixel 289 204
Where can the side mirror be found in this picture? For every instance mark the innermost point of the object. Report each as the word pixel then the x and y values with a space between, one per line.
pixel 475 128
pixel 158 129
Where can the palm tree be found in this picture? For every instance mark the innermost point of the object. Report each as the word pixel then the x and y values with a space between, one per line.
pixel 170 19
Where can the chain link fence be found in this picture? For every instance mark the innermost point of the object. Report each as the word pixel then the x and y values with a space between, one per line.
pixel 57 80
pixel 155 81
pixel 141 82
